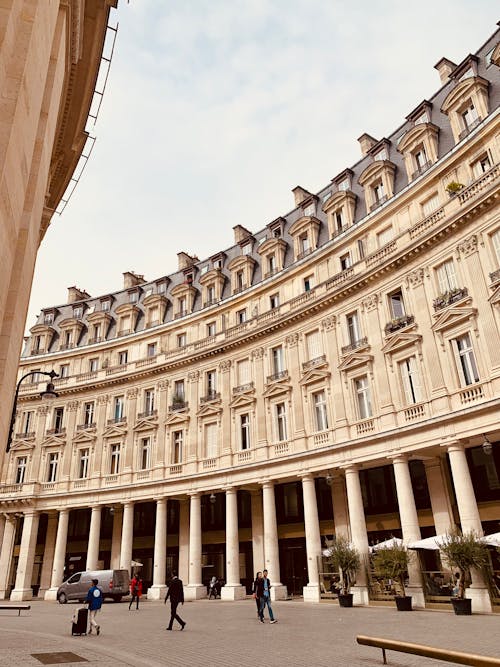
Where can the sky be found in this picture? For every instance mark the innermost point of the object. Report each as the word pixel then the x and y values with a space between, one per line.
pixel 215 109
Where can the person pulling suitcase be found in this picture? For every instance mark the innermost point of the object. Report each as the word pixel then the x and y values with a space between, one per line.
pixel 94 600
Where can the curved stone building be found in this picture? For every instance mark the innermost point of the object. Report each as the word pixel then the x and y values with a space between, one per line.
pixel 336 372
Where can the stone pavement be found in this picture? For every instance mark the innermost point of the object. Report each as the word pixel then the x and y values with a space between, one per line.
pixel 227 634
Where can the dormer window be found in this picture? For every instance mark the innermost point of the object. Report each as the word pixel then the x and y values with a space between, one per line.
pixel 467 74
pixel 470 118
pixel 133 297
pixel 467 103
pixel 218 264
pixel 271 264
pixel 204 269
pixel 48 318
pixel 423 118
pixel 188 279
pixel 381 155
pixel 304 244
pixel 310 209
pixel 379 196
pixel 246 249
pixel 345 184
pixel 161 288
pixel 105 306
pixel 148 291
pixel 78 312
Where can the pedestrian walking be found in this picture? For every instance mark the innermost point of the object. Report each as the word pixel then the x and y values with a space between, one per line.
pixel 176 594
pixel 266 599
pixel 135 591
pixel 94 599
pixel 212 588
pixel 258 593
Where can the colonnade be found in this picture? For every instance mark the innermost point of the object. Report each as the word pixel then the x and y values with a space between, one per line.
pixel 348 517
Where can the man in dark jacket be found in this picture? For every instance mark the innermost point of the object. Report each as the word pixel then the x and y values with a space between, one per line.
pixel 266 598
pixel 176 594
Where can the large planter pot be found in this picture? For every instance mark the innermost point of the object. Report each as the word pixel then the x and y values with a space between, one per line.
pixel 403 603
pixel 462 606
pixel 345 599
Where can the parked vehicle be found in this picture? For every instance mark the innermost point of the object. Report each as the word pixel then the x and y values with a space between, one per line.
pixel 113 583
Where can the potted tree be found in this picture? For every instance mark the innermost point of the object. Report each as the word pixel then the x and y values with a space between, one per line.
pixel 464 551
pixel 344 557
pixel 453 187
pixel 392 563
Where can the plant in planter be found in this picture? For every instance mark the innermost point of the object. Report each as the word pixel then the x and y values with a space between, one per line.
pixel 465 551
pixel 392 563
pixel 344 558
pixel 453 187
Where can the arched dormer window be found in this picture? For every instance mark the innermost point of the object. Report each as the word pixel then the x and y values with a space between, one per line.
pixel 377 179
pixel 272 252
pixel 241 268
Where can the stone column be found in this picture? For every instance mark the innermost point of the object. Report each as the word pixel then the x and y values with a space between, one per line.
pixel 469 520
pixel 94 536
pixel 359 535
pixel 59 555
pixel 116 537
pixel 127 537
pixel 313 539
pixel 440 500
pixel 22 589
pixel 257 531
pixel 271 545
pixel 410 526
pixel 48 554
pixel 233 590
pixel 340 511
pixel 159 589
pixel 9 534
pixel 184 539
pixel 195 589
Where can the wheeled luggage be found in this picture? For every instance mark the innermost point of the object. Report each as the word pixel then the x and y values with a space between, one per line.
pixel 80 620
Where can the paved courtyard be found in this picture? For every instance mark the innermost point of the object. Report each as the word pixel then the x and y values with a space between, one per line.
pixel 227 634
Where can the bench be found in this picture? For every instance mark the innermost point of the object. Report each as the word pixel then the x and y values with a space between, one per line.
pixel 427 651
pixel 18 607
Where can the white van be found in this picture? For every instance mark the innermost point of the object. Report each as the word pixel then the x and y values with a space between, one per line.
pixel 113 583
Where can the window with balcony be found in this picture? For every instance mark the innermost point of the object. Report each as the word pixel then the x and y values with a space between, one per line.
pixel 241 316
pixel 114 464
pixel 36 345
pixel 149 402
pixel 152 349
pixel 470 118
pixel 363 399
pixel 145 453
pixel 420 161
pixel 118 408
pixel 274 301
pixel 211 383
pixel 83 463
pixel 21 465
pixel 408 372
pixel 313 345
pixel 353 328
pixel 430 205
pixel 88 413
pixel 396 304
pixel 320 411
pixel 481 166
pixel 210 295
pixel 308 283
pixel 446 277
pixel 93 364
pixel 211 329
pixel 58 419
pixel 345 261
pixel 465 360
pixel 96 334
pixel 244 432
pixel 68 340
pixel 181 340
pixel 179 390
pixel 211 440
pixel 243 372
pixel 280 422
pixel 177 443
pixel 52 465
pixel 277 361
pixel 64 371
pixel 122 357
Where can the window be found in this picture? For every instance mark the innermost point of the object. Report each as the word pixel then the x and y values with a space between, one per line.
pixel 304 245
pixel 345 184
pixel 378 193
pixel 274 301
pixel 88 413
pixel 313 345
pixel 148 291
pixel 278 365
pixel 281 432
pixel 421 161
pixel 48 318
pixel 384 236
pixel 241 316
pixel 78 312
pixel 353 330
pixel 114 467
pixel 58 419
pixel 345 261
pixel 363 397
pixel 310 209
pixel 243 371
pixel 465 359
pixel 122 357
pixel 118 408
pixel 245 431
pixel 152 349
pixel 423 118
pixel 96 333
pixel 211 329
pixel 211 294
pixel 308 283
pixel 161 288
pixel 83 463
pixel 37 341
pixel 271 264
pixel 203 270
pixel 64 371
pixel 145 454
pixel 446 276
pixel 411 382
pixel 68 338
pixel 211 440
pixel 495 239
pixel 320 412
pixel 182 305
pixel 211 382
pixel 105 306
pixel 246 249
pixel 339 220
pixel 149 401
pixel 430 205
pixel 470 117
pixel 133 297
pixel 179 389
pixel 27 422
pixel 381 155
pixel 21 464
pixel 52 466
pixel 240 281
pixel 36 378
pixel 481 166
pixel 181 340
pixel 93 364
pixel 177 442
pixel 361 248
pixel 396 305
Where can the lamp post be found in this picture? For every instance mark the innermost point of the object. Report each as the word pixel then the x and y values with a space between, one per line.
pixel 48 393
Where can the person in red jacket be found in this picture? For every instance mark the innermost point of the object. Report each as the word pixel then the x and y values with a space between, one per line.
pixel 135 591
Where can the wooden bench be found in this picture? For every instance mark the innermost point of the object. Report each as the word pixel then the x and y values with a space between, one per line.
pixel 18 607
pixel 427 651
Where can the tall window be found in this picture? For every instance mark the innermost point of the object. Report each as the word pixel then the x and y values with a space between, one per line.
pixel 58 419
pixel 308 283
pixel 118 407
pixel 211 294
pixel 320 411
pixel 93 365
pixel 430 205
pixel 114 467
pixel 363 397
pixel 64 370
pixel 152 349
pixel 384 236
pixel 21 464
pixel 313 345
pixel 211 382
pixel 52 466
pixel 241 316
pixel 179 391
pixel 339 220
pixel 27 422
pixel 211 440
pixel 274 301
pixel 281 431
pixel 145 453
pixel 122 357
pixel 239 281
pixel 83 464
pixel 88 413
pixel 396 304
pixel 149 401
pixel 411 381
pixel 353 329
pixel 277 360
pixel 245 431
pixel 243 371
pixel 420 158
pixel 177 442
pixel 345 261
pixel 378 193
pixel 470 116
pixel 495 240
pixel 447 278
pixel 181 340
pixel 304 244
pixel 465 359
pixel 481 166
pixel 68 338
pixel 211 329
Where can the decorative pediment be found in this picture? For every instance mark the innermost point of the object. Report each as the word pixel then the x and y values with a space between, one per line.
pixel 54 440
pixel 416 135
pixel 243 401
pixel 399 341
pixel 314 375
pixel 177 417
pixel 375 170
pixel 463 91
pixel 303 224
pixel 209 410
pixel 240 262
pixel 84 437
pixel 355 359
pixel 20 444
pixel 276 389
pixel 271 244
pixel 453 316
pixel 115 431
pixel 339 199
pixel 495 297
pixel 146 424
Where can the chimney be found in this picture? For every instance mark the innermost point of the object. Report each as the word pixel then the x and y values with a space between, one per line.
pixel 131 279
pixel 366 141
pixel 185 260
pixel 75 294
pixel 300 194
pixel 445 67
pixel 240 233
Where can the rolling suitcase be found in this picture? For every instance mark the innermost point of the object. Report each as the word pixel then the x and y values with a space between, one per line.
pixel 80 619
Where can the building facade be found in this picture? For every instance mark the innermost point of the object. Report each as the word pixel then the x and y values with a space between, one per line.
pixel 337 372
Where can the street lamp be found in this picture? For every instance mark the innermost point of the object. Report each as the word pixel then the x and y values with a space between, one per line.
pixel 48 393
pixel 487 446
